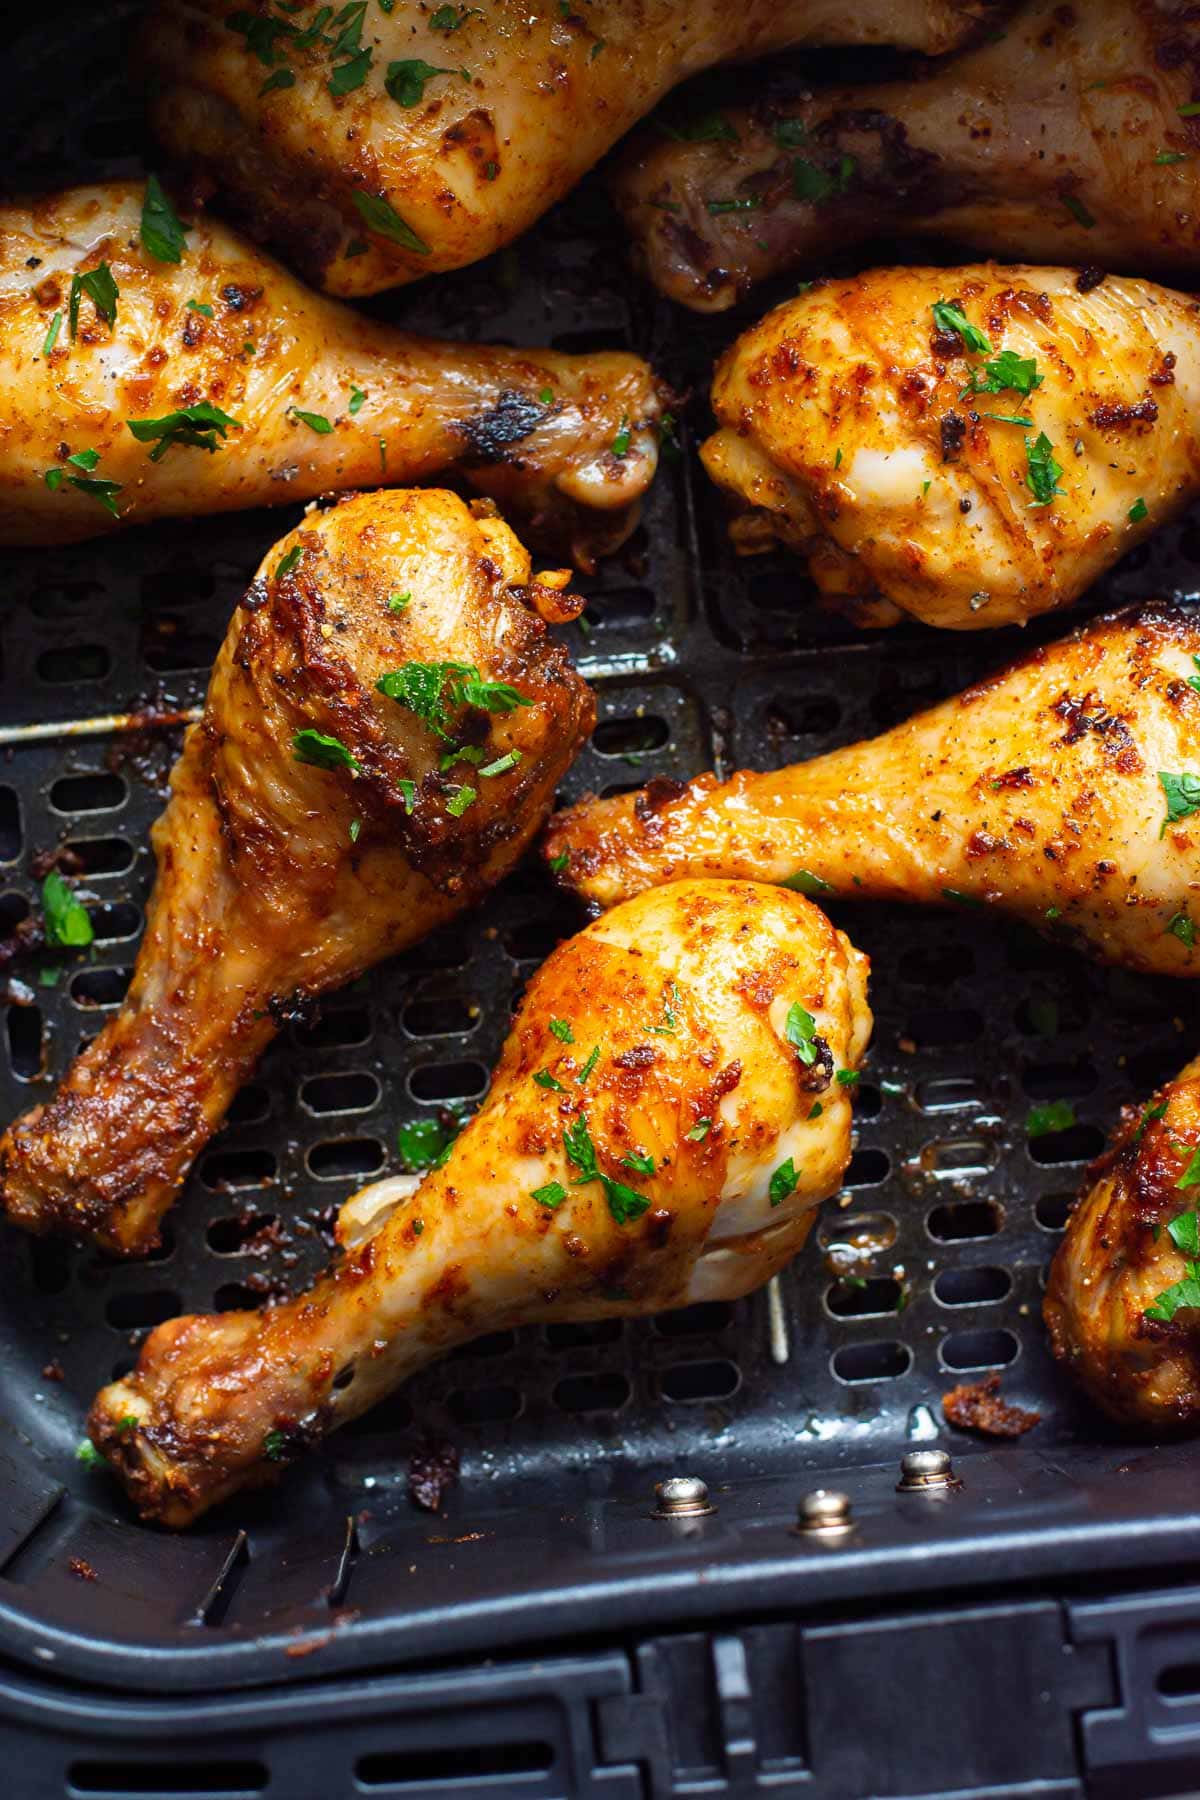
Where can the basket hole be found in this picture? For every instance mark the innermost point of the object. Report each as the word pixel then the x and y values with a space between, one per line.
pixel 245 1168
pixel 956 1157
pixel 948 1093
pixel 692 1381
pixel 133 1311
pixel 533 940
pixel 978 1349
pixel 960 1219
pixel 10 825
pixel 170 646
pixel 49 1264
pixel 495 1343
pixel 1148 1068
pixel 100 987
pixel 1079 1143
pixel 631 735
pixel 1179 1681
pixel 942 1026
pixel 576 1337
pixel 230 1235
pixel 116 922
pixel 937 968
pixel 97 792
pixel 176 586
pixel 883 1361
pixel 862 1234
pixel 74 662
pixel 1053 1210
pixel 102 856
pixel 338 1158
pixel 336 1027
pixel 621 608
pixel 861 1297
pixel 251 1105
pixel 25 1041
pixel 1047 1015
pixel 390 1417
pixel 353 1092
pixel 236 1296
pixel 465 1766
pixel 815 716
pixel 448 1081
pixel 439 1018
pixel 702 1319
pixel 867 1168
pixel 485 1405
pixel 173 1780
pixel 13 908
pixel 591 1393
pixel 971 1287
pixel 1054 1081
pixel 449 948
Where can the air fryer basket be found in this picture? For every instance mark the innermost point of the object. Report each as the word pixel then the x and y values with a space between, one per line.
pixel 697 659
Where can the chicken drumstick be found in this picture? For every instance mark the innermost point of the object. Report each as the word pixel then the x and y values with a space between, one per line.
pixel 1066 138
pixel 151 371
pixel 1065 790
pixel 665 1116
pixel 383 734
pixel 379 145
pixel 972 446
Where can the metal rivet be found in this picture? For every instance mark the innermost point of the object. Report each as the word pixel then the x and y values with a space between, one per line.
pixel 826 1512
pixel 924 1469
pixel 682 1497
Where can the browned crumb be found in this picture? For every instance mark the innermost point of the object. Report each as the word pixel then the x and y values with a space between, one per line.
pixel 432 1472
pixel 83 1571
pixel 977 1406
pixel 53 1371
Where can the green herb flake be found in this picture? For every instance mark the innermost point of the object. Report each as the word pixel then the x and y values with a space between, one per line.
pixel 702 128
pixel 408 793
pixel 800 1030
pixel 624 1203
pixel 161 233
pixel 460 799
pixel 620 444
pixel 546 397
pixel 1078 211
pixel 1190 111
pixel 670 1017
pixel 1147 1119
pixel 357 402
pixel 288 562
pixel 738 203
pixel 814 184
pixel 1180 1293
pixel 788 133
pixel 561 1029
pixel 424 1144
pixel 699 1131
pixel 815 1110
pixel 50 975
pixel 1055 1115
pixel 1183 928
pixel 848 1077
pixel 1041 470
pixel 1010 419
pixel 200 306
pixel 449 18
pixel 101 289
pixel 1171 156
pixel 355 829
pixel 274 1446
pixel 323 752
pixel 551 1196
pixel 200 427
pixel 405 81
pixel 784 1182
pixel 379 216
pixel 1182 793
pixel 315 421
pixel 588 1066
pixel 67 924
pixel 558 863
pixel 276 82
pixel 1003 373
pixel 87 1453
pixel 348 76
pixel 1138 511
pixel 502 764
pixel 544 1079
pixel 52 334
pixel 639 1162
pixel 948 317
pixel 396 603
pixel 433 690
pixel 804 882
pixel 1193 681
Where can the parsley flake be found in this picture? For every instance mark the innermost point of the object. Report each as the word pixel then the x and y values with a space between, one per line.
pixel 639 1162
pixel 315 421
pixel 408 793
pixel 702 128
pixel 460 799
pixel 87 1453
pixel 191 427
pixel 1182 794
pixel 425 1143
pixel 405 81
pixel 1171 156
pixel 52 334
pixel 433 690
pixel 589 1065
pixel 357 401
pixel 544 1079
pixel 199 306
pixel 948 317
pixel 1055 1115
pixel 101 289
pixel 349 75
pixel 273 1446
pixel 699 1131
pixel 379 216
pixel 1078 211
pixel 1041 470
pixel 397 602
pixel 552 1195
pixel 624 1203
pixel 161 233
pixel 620 444
pixel 1004 371
pixel 804 882
pixel 502 764
pixel 784 1182
pixel 323 752
pixel 67 924
pixel 1183 928
pixel 561 1029
pixel 558 863
pixel 800 1030
pixel 1138 511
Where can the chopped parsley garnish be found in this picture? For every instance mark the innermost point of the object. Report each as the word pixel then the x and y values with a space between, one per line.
pixel 639 1162
pixel 783 1182
pixel 552 1195
pixel 1189 111
pixel 379 216
pixel 460 799
pixel 396 603
pixel 670 1017
pixel 789 132
pixel 800 1030
pixel 273 1446
pixel 815 1110
pixel 1078 211
pixel 1138 512
pixel 811 182
pixel 699 1131
pixel 1011 419
pixel 1184 1232
pixel 620 444
pixel 544 1079
pixel 95 486
pixel 1041 470
pixel 192 427
pixel 161 233
pixel 1183 796
pixel 1151 1113
pixel 87 1453
pixel 739 203
pixel 1004 371
pixel 101 289
pixel 1193 681
pixel 287 563
pixel 1183 928
pixel 67 923
pixel 1055 1115
pixel 848 1077
pixel 425 1143
pixel 589 1065
pixel 1171 156
pixel 433 690
pixel 315 421
pixel 502 764
pixel 1187 1224
pixel 624 1203
pixel 449 18
pixel 201 307
pixel 355 828
pixel 418 1226
pixel 349 75
pixel 948 317
pixel 558 863
pixel 561 1029
pixel 281 78
pixel 408 793
pixel 52 334
pixel 357 400
pixel 405 81
pixel 546 396
pixel 803 882
pixel 323 752
pixel 703 128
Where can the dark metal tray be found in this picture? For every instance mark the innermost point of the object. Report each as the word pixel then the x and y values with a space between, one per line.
pixel 697 659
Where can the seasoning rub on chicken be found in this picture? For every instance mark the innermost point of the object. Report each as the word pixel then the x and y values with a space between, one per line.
pixel 385 728
pixel 972 446
pixel 157 367
pixel 1064 790
pixel 671 1105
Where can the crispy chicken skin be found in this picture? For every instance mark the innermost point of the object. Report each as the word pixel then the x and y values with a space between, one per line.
pixel 279 879
pixel 463 124
pixel 845 432
pixel 1119 1256
pixel 534 429
pixel 1036 791
pixel 1059 139
pixel 686 994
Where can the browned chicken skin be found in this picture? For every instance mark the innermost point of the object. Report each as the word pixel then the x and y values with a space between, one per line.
pixel 1123 1300
pixel 674 1150
pixel 316 398
pixel 421 138
pixel 1065 790
pixel 1059 140
pixel 280 878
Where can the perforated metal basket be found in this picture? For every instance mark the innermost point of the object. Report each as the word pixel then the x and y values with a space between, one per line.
pixel 928 1267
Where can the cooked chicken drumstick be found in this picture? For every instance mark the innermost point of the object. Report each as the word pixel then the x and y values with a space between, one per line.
pixel 122 369
pixel 971 446
pixel 1121 1305
pixel 1062 138
pixel 665 1116
pixel 384 731
pixel 1065 790
pixel 388 144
